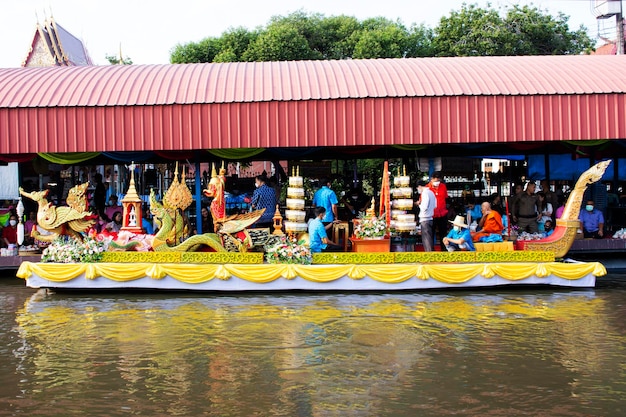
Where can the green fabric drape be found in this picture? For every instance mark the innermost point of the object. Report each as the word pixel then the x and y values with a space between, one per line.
pixel 410 147
pixel 70 158
pixel 596 142
pixel 234 154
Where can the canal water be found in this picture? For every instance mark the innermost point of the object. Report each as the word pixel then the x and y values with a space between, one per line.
pixel 522 352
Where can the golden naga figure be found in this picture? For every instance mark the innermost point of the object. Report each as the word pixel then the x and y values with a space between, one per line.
pixel 69 220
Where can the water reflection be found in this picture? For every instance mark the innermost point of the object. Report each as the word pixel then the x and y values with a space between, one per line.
pixel 320 355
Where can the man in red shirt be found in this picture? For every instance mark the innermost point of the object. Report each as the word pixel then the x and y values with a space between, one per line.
pixel 440 218
pixel 9 233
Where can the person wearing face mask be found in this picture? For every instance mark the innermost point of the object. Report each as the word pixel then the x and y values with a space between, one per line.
pixel 426 203
pixel 592 221
pixel 459 238
pixel 264 197
pixel 440 217
pixel 9 233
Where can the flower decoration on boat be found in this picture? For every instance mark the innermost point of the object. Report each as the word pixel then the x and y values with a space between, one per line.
pixel 370 227
pixel 286 250
pixel 66 249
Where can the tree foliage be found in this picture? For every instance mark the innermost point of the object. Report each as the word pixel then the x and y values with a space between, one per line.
pixel 118 60
pixel 521 30
pixel 470 31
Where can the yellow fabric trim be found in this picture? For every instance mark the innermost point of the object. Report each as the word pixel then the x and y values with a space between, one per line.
pixel 129 272
pixel 453 274
pixel 321 273
pixel 264 273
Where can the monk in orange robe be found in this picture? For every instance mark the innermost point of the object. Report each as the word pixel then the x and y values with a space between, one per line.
pixel 490 223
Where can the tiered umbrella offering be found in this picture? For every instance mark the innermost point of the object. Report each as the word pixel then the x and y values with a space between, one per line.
pixel 295 213
pixel 402 202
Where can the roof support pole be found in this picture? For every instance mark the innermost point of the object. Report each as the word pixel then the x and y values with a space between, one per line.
pixel 198 197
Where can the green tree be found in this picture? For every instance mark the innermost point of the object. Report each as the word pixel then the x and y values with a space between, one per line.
pixel 523 30
pixel 470 31
pixel 118 60
pixel 538 33
pixel 234 43
pixel 302 35
pixel 196 52
pixel 280 43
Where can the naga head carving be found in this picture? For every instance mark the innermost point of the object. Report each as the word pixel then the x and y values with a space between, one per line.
pixel 593 174
pixel 38 196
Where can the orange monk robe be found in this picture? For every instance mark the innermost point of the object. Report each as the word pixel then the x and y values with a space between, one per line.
pixel 492 224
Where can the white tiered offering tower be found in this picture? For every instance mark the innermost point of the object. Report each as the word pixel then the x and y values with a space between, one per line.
pixel 295 213
pixel 402 193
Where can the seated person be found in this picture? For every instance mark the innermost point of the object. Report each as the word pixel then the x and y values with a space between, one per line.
pixel 319 241
pixel 489 223
pixel 459 237
pixel 547 228
pixel 9 233
pixel 473 210
pixel 112 207
pixel 592 221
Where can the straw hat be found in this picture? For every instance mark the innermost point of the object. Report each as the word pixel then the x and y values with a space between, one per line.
pixel 458 221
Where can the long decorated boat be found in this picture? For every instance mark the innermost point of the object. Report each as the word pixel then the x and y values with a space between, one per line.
pixel 229 267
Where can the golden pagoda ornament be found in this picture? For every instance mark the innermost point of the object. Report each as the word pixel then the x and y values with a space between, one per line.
pixel 278 222
pixel 131 220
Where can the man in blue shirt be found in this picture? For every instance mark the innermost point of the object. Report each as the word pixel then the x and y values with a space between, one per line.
pixel 459 238
pixel 325 197
pixel 318 239
pixel 592 221
pixel 264 197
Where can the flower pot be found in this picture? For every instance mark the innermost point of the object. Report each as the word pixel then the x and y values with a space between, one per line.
pixel 370 245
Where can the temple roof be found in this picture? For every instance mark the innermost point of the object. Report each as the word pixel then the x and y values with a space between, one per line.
pixel 53 45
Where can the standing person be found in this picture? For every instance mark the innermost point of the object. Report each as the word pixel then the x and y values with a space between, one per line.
pixel 206 220
pixel 496 203
pixel 544 207
pixel 459 237
pixel 319 241
pixel 525 210
pixel 99 194
pixel 264 197
pixel 356 202
pixel 515 193
pixel 9 233
pixel 592 221
pixel 440 217
pixel 550 197
pixel 325 197
pixel 427 204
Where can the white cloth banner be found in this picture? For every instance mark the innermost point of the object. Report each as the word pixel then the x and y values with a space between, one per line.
pixel 9 182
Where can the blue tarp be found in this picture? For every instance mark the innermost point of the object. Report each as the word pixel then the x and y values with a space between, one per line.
pixel 564 167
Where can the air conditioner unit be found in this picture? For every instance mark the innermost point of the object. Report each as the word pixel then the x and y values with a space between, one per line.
pixel 606 8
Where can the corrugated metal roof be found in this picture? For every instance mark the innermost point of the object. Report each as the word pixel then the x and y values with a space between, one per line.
pixel 315 123
pixel 310 80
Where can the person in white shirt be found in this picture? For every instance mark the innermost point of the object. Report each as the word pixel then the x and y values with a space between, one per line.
pixel 426 203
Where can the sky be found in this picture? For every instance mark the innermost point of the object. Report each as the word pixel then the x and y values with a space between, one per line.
pixel 147 30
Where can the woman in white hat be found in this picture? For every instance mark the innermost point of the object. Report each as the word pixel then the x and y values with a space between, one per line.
pixel 459 238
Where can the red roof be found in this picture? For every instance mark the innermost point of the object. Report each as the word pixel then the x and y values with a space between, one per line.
pixel 130 85
pixel 312 103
